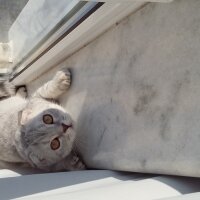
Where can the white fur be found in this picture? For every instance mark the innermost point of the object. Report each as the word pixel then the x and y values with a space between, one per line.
pixel 25 138
pixel 9 109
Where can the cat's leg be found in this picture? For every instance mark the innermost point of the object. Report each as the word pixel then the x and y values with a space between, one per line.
pixel 7 89
pixel 56 87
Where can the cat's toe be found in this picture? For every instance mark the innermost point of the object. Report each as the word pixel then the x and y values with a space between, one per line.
pixel 68 73
pixel 74 160
pixel 21 91
pixel 77 163
pixel 63 79
pixel 80 166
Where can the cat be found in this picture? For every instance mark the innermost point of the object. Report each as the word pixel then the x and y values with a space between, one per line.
pixel 36 131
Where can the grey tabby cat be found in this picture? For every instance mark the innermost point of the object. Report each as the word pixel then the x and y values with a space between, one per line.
pixel 37 131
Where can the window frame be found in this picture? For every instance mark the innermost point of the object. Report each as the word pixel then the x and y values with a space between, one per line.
pixel 126 1
pixel 85 32
pixel 88 30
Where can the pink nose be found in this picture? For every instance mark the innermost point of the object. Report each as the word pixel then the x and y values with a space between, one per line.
pixel 65 127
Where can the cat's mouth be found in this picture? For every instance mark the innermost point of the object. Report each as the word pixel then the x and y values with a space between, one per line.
pixel 67 131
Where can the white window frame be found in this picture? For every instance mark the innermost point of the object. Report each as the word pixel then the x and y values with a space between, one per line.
pixel 125 1
pixel 88 30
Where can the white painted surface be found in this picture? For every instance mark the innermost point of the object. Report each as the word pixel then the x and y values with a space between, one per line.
pixel 125 1
pixel 93 184
pixel 193 196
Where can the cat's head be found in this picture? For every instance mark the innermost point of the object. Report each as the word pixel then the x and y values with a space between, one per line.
pixel 46 137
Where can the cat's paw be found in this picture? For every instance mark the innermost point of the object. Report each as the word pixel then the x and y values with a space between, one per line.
pixel 71 163
pixel 21 91
pixel 77 163
pixel 63 79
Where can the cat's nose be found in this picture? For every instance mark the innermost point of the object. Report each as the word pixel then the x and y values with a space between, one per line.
pixel 65 127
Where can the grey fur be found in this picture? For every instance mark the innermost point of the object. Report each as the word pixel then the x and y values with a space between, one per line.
pixel 26 139
pixel 7 89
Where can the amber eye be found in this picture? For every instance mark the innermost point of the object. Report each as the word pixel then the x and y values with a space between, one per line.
pixel 55 144
pixel 48 119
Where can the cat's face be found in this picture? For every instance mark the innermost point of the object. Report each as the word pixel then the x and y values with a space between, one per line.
pixel 46 138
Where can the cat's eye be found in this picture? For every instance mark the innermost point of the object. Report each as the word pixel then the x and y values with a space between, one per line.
pixel 55 144
pixel 48 119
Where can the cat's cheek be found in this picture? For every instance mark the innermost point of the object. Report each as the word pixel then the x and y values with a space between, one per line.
pixel 70 135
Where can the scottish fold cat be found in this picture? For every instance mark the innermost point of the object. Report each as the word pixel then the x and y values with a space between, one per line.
pixel 37 131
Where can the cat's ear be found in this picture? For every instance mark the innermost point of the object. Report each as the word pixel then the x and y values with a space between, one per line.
pixel 23 116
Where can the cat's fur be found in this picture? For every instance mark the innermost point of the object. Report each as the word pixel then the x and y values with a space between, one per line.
pixel 26 138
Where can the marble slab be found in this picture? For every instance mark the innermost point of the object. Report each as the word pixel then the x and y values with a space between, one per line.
pixel 136 92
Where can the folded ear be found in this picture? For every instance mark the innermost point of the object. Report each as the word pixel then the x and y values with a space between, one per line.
pixel 24 116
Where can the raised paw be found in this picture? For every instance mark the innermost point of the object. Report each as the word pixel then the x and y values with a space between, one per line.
pixel 63 79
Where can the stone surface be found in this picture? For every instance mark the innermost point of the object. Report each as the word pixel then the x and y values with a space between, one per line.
pixel 136 92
